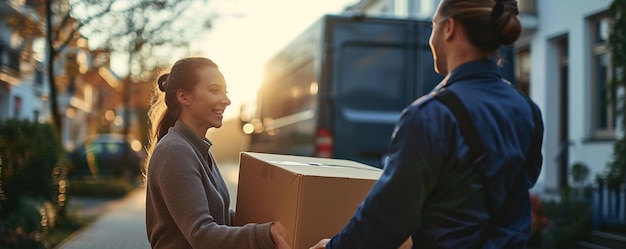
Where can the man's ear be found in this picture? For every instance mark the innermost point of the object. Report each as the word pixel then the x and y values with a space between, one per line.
pixel 451 26
pixel 183 97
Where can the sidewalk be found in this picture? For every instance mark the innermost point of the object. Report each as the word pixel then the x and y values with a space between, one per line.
pixel 122 223
pixel 122 226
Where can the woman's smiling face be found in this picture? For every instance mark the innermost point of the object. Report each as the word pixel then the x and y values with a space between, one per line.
pixel 209 98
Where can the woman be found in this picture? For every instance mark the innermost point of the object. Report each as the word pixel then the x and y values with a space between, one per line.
pixel 434 189
pixel 187 199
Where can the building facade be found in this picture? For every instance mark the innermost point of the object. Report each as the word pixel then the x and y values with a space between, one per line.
pixel 89 93
pixel 568 64
pixel 563 62
pixel 23 91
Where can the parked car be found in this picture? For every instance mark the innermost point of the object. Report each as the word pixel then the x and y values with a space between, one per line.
pixel 103 155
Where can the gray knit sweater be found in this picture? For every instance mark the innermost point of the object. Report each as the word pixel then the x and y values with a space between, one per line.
pixel 187 199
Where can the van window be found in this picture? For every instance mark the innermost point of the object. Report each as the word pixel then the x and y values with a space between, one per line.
pixel 372 78
pixel 294 93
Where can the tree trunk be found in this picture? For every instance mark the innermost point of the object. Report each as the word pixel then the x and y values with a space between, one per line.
pixel 128 83
pixel 56 117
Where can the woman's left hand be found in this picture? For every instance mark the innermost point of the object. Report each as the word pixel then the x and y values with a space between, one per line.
pixel 279 235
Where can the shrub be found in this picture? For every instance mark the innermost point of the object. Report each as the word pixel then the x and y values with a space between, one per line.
pixel 100 187
pixel 571 222
pixel 30 174
pixel 30 152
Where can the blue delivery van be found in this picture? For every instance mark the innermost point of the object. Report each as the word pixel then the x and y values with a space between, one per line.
pixel 338 89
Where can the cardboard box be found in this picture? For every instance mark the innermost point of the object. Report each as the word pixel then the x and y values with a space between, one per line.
pixel 313 198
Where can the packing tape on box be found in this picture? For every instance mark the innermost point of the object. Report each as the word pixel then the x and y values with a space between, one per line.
pixel 318 164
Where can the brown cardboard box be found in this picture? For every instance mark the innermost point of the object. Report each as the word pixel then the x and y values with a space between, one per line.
pixel 313 197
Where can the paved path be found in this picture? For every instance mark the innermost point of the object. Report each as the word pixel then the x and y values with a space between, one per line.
pixel 122 225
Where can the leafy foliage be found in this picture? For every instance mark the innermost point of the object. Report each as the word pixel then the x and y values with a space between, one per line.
pixel 136 27
pixel 580 172
pixel 100 187
pixel 617 41
pixel 29 178
pixel 30 152
pixel 571 221
pixel 616 174
pixel 139 27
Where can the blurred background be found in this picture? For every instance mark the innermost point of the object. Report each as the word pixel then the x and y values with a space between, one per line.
pixel 76 79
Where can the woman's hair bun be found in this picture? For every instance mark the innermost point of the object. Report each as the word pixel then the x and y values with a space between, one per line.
pixel 507 24
pixel 162 81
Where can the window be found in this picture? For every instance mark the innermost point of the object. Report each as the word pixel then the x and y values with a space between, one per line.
pixel 426 8
pixel 522 68
pixel 526 6
pixel 38 77
pixel 372 78
pixel 603 114
pixel 17 106
pixel 293 93
pixel 16 40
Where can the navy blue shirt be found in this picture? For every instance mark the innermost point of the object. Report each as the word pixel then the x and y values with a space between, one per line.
pixel 430 190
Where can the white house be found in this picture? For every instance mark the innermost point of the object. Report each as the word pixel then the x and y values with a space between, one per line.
pixel 562 61
pixel 23 91
pixel 569 69
pixel 86 86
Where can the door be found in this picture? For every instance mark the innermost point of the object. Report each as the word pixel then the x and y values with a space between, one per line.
pixel 374 65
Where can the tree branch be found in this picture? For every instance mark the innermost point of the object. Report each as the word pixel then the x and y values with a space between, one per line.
pixel 57 32
pixel 81 23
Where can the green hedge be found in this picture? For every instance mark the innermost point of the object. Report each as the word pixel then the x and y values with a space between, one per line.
pixel 100 187
pixel 571 222
pixel 30 173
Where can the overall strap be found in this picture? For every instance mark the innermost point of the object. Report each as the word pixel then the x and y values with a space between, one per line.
pixel 477 153
pixel 470 133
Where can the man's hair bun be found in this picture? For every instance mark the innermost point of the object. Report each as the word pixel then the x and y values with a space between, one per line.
pixel 506 23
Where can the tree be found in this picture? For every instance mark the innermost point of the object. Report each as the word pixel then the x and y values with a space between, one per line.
pixel 139 27
pixel 143 26
pixel 617 42
pixel 131 26
pixel 54 22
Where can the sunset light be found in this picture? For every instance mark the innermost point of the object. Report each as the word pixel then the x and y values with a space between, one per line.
pixel 247 33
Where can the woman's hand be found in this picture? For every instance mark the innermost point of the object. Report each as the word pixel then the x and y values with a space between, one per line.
pixel 279 235
pixel 321 244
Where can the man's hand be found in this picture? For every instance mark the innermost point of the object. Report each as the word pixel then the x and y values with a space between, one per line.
pixel 279 235
pixel 321 244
